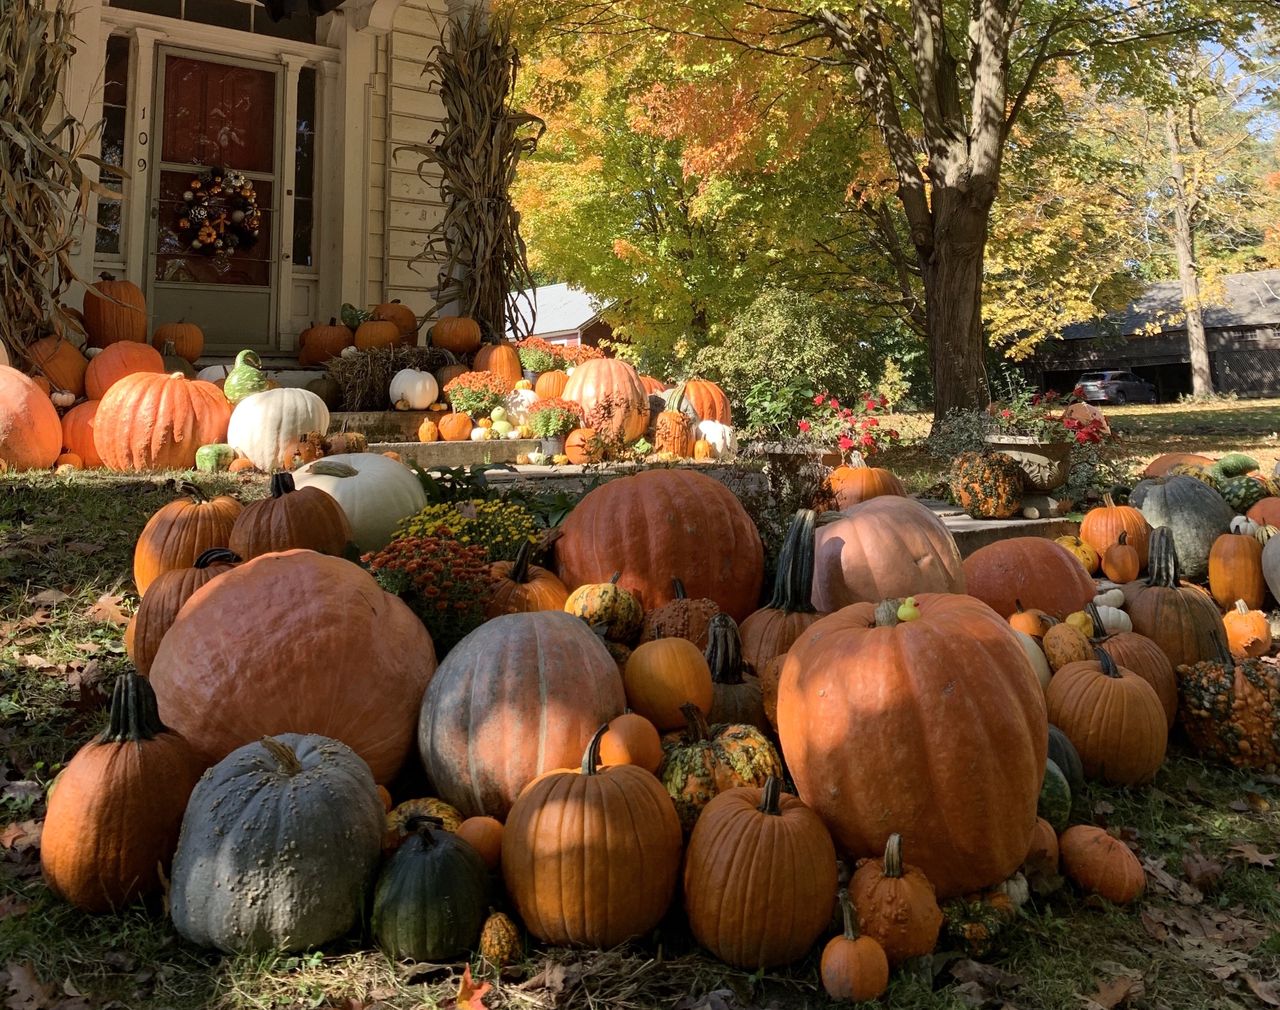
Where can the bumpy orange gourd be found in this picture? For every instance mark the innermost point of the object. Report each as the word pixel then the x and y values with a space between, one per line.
pixel 853 967
pixel 856 482
pixel 631 739
pixel 680 618
pixel 1235 571
pixel 291 518
pixel 1030 571
pixel 168 592
pixel 178 533
pixel 157 422
pixel 1101 864
pixel 896 904
pixel 518 586
pixel 30 432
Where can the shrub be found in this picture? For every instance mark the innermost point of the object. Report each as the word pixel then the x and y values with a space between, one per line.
pixel 476 393
pixel 499 527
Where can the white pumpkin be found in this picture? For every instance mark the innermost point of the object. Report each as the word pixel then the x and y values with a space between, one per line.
pixel 1114 620
pixel 538 458
pixel 376 492
pixel 518 403
pixel 212 373
pixel 1110 598
pixel 350 351
pixel 266 427
pixel 723 439
pixel 93 352
pixel 413 390
pixel 479 434
pixel 1036 655
pixel 62 399
pixel 1244 526
pixel 1271 565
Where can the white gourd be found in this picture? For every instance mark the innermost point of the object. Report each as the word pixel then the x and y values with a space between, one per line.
pixel 479 434
pixel 1114 620
pixel 723 439
pixel 266 427
pixel 1110 598
pixel 212 373
pixel 517 403
pixel 1036 655
pixel 1244 526
pixel 376 492
pixel 413 390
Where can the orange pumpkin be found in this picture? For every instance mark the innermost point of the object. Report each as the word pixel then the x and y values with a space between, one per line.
pixel 455 427
pixel 502 360
pixel 1102 526
pixel 458 335
pixel 1042 857
pixel 317 344
pixel 60 362
pixel 853 967
pixel 1101 864
pixel 156 422
pixel 1033 622
pixel 708 401
pixel 582 446
pixel 1121 562
pixel 856 482
pixel 291 518
pixel 378 333
pixel 663 675
pixel 896 904
pixel 178 533
pixel 484 834
pixel 612 397
pixel 168 592
pixel 30 430
pixel 395 311
pixel 118 361
pixel 1038 572
pixel 550 385
pixel 631 739
pixel 240 465
pixel 1248 631
pixel 519 587
pixel 651 385
pixel 113 311
pixel 1161 465
pixel 1265 512
pixel 1235 571
pixel 1140 655
pixel 187 339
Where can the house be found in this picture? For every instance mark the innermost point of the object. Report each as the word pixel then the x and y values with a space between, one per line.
pixel 562 314
pixel 1149 337
pixel 305 113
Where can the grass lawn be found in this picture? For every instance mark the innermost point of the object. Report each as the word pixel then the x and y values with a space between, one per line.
pixel 1207 933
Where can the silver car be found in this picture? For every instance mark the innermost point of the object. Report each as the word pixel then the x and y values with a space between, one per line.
pixel 1114 387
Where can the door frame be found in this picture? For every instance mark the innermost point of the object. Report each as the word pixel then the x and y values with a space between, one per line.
pixel 279 190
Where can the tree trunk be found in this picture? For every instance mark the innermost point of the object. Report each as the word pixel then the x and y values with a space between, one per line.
pixel 1184 247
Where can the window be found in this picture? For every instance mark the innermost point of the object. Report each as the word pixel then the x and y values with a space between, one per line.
pixel 239 15
pixel 115 109
pixel 304 178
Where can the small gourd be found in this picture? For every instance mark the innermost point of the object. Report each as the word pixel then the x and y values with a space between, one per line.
pixel 246 378
pixel 1064 643
pixel 62 399
pixel 1113 597
pixel 214 457
pixel 1244 526
pixel 907 610
pixel 1085 554
pixel 1081 621
pixel 1114 621
pixel 1265 533
pixel 479 434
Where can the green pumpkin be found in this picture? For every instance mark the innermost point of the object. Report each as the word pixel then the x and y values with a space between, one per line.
pixel 246 378
pixel 1054 804
pixel 432 896
pixel 1063 753
pixel 279 844
pixel 609 609
pixel 214 457
pixel 1233 464
pixel 1242 493
pixel 987 485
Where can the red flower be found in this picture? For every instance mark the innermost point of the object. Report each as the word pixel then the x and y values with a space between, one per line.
pixel 893 433
pixel 1006 413
pixel 835 404
pixel 873 422
pixel 1082 437
pixel 871 404
pixel 869 441
pixel 846 443
pixel 884 402
pixel 819 399
pixel 803 426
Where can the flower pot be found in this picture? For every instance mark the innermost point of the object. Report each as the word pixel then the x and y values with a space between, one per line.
pixel 553 446
pixel 1045 465
pixel 530 374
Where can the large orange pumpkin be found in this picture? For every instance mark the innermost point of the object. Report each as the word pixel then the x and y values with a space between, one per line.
pixel 652 385
pixel 30 432
pixel 1235 571
pixel 114 310
pixel 168 592
pixel 612 397
pixel 458 335
pixel 157 422
pixel 519 696
pixel 117 361
pixel 272 647
pixel 395 311
pixel 317 344
pixel 945 707
pixel 187 339
pixel 1102 526
pixel 77 432
pixel 708 401
pixel 550 385
pixel 1142 656
pixel 178 533
pixel 885 547
pixel 1031 572
pixel 61 362
pixel 660 525
pixel 856 482
pixel 502 360
pixel 1161 465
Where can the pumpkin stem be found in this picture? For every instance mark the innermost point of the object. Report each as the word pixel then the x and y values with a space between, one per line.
pixel 770 797
pixel 520 567
pixel 793 583
pixel 1091 608
pixel 724 651
pixel 1162 559
pixel 217 556
pixel 282 484
pixel 857 461
pixel 850 919
pixel 1242 607
pixel 135 714
pixel 696 721
pixel 284 755
pixel 887 613
pixel 1108 500
pixel 1123 539
pixel 616 576
pixel 423 825
pixel 1109 668
pixel 328 468
pixel 677 587
pixel 893 856
pixel 591 757
pixel 193 491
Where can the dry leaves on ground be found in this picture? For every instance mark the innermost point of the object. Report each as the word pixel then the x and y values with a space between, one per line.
pixel 1248 852
pixel 106 610
pixel 470 995
pixel 1115 993
pixel 25 991
pixel 1268 992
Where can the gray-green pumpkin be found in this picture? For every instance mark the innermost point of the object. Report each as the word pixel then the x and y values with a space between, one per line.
pixel 1055 798
pixel 214 457
pixel 1194 512
pixel 279 845
pixel 246 378
pixel 432 896
pixel 1063 753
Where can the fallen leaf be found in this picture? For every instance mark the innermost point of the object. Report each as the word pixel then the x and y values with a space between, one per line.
pixel 106 610
pixel 1248 852
pixel 1115 992
pixel 35 662
pixel 1204 873
pixel 470 995
pixel 12 907
pixel 21 836
pixel 1102 808
pixel 986 975
pixel 1166 881
pixel 26 992
pixel 716 999
pixel 23 789
pixel 1268 992
pixel 48 598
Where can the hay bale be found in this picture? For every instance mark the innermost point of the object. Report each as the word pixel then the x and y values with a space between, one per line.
pixel 365 377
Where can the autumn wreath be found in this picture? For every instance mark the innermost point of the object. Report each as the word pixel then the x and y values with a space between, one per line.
pixel 219 212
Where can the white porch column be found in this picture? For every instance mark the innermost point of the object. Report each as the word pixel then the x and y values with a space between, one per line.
pixel 355 80
pixel 139 154
pixel 284 229
pixel 82 98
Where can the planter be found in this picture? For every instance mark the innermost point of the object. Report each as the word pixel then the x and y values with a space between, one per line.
pixel 553 446
pixel 1045 465
pixel 531 375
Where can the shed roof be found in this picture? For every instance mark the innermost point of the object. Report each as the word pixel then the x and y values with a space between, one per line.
pixel 559 308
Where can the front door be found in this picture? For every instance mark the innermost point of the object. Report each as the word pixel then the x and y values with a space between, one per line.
pixel 214 192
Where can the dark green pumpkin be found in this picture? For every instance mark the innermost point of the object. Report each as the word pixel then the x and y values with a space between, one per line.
pixel 432 896
pixel 1055 798
pixel 1242 493
pixel 1063 753
pixel 987 485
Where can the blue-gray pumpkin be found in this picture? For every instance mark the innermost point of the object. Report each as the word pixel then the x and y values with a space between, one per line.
pixel 1063 753
pixel 1195 513
pixel 278 848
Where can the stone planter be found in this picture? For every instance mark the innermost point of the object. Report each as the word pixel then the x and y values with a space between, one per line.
pixel 553 446
pixel 1045 465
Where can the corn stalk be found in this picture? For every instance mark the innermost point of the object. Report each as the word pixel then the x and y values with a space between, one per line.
pixel 484 266
pixel 44 188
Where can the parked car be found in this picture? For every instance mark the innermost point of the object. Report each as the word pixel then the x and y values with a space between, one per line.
pixel 1114 387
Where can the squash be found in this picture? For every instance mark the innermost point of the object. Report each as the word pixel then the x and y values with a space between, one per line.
pixel 1194 513
pixel 856 482
pixel 751 842
pixel 245 378
pixel 1230 710
pixel 1248 631
pixel 1100 864
pixel 1082 551
pixel 1036 656
pixel 735 689
pixel 1110 597
pixel 611 388
pixel 1065 643
pixel 663 675
pixel 400 819
pixel 263 827
pixel 160 606
pixel 1105 526
pixel 1235 571
pixel 1054 804
pixel 896 904
pixel 1112 620
pixel 184 340
pixel 1033 622
pixel 853 967
pixel 1161 465
pixel 1062 752
pixel 499 940
pixel 156 422
pixel 631 739
pixel 1028 571
pixel 518 586
pixel 376 493
pixel 770 631
pixel 608 607
pixel 290 519
pixel 267 427
pixel 680 618
pixel 720 438
pixel 413 390
pixel 484 834
pixel 987 485
pixel 30 429
pixel 179 532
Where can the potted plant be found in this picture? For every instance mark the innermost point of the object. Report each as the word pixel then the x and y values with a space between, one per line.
pixel 853 430
pixel 553 419
pixel 476 393
pixel 1032 429
pixel 538 356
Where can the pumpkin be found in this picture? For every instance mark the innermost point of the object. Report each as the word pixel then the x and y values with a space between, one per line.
pixel 864 689
pixel 502 359
pixel 680 617
pixel 1112 620
pixel 1195 515
pixel 515 698
pixel 517 406
pixel 856 482
pixel 168 592
pixel 374 333
pixel 30 430
pixel 1161 465
pixel 550 385
pixel 484 834
pixel 375 493
pixel 112 824
pixel 1230 710
pixel 267 427
pixel 1033 622
pixel 499 940
pixel 113 311
pixel 69 461
pixel 43 385
pixel 583 445
pixel 1086 555
pixel 1054 804
pixel 987 485
pixel 1063 644
pixel 1042 857
pixel 853 967
pixel 518 586
pixel 1035 655
pixel 399 820
pixel 178 533
pixel 754 845
pixel 429 431
pixel 1121 562
pixel 1032 571
pixel 769 631
pixel 395 311
pixel 896 904
pixel 735 689
pixel 1265 512
pixel 413 390
pixel 611 388
pixel 882 548
pixel 631 739
pixel 1242 493
pixel 1063 754
pixel 263 827
pixel 317 344
pixel 240 465
pixel 60 362
pixel 1138 654
pixel 590 858
pixel 1235 571
pixel 246 378
pixel 1248 631
pixel 609 607
pixel 458 335
pixel 1100 864
pixel 1181 619
pixel 722 439
pixel 455 427
pixel 157 422
pixel 662 675
pixel 1102 528
pixel 431 896
pixel 673 431
pixel 187 340
pixel 291 518
pixel 359 681
pixel 707 399
pixel 1114 718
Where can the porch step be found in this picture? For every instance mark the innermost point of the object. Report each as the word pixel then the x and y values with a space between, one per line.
pixel 285 371
pixel 433 454
pixel 382 425
pixel 970 533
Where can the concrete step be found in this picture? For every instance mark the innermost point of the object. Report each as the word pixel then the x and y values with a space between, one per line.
pixel 429 454
pixel 971 534
pixel 382 425
pixel 285 371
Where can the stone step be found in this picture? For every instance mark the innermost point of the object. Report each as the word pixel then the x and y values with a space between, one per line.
pixel 284 371
pixel 431 454
pixel 382 425
pixel 971 534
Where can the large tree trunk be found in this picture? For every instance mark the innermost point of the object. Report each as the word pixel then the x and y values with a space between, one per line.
pixel 1184 246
